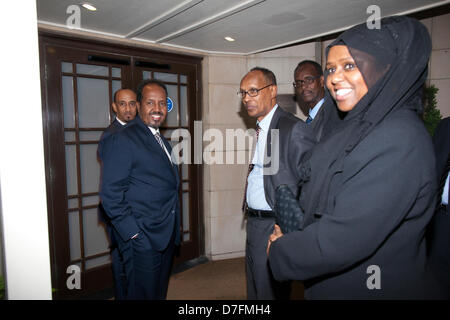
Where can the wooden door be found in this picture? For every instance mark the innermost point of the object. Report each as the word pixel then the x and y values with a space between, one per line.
pixel 78 81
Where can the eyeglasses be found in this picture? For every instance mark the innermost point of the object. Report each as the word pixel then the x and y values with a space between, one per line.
pixel 308 80
pixel 252 92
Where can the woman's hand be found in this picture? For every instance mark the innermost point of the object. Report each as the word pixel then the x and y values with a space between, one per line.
pixel 274 236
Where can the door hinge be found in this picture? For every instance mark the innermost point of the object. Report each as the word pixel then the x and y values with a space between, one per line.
pixel 45 72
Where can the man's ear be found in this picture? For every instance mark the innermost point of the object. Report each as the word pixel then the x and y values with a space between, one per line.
pixel 273 91
pixel 114 107
pixel 322 82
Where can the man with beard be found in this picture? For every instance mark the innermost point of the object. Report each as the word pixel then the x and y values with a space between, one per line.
pixel 124 106
pixel 139 192
pixel 309 89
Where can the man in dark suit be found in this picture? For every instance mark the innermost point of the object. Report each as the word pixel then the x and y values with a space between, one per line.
pixel 282 140
pixel 310 92
pixel 124 106
pixel 439 231
pixel 139 192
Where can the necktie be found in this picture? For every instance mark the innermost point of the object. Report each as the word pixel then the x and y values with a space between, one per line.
pixel 442 182
pixel 309 119
pixel 250 168
pixel 161 143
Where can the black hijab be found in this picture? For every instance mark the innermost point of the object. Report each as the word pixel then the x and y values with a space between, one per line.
pixel 393 61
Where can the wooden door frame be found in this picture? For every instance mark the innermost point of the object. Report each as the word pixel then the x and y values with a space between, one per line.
pixel 52 150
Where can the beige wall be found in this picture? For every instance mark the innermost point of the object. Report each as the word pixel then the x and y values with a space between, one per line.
pixel 223 183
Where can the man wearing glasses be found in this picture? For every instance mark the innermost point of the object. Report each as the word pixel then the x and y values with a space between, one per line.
pixel 280 138
pixel 309 89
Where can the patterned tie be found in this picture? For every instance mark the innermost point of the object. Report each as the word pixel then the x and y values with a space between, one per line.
pixel 309 119
pixel 442 182
pixel 159 139
pixel 250 168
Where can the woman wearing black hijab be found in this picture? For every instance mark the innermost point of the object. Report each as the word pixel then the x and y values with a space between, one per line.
pixel 368 186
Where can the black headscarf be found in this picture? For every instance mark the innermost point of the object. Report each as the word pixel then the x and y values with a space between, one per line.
pixel 393 61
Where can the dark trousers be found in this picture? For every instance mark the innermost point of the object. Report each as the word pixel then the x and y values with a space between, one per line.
pixel 439 249
pixel 118 274
pixel 147 270
pixel 260 283
pixel 117 266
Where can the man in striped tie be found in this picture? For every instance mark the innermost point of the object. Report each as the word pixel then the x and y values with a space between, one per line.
pixel 140 194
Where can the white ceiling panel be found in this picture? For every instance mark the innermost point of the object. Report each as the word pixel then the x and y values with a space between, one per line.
pixel 256 25
pixel 118 17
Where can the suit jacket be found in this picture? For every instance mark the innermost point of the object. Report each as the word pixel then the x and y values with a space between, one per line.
pixel 140 186
pixel 318 122
pixel 294 139
pixel 114 127
pixel 441 140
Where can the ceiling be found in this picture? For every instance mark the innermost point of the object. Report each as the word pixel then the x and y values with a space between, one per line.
pixel 202 25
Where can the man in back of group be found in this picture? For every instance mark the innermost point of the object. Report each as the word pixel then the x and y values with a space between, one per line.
pixel 124 106
pixel 275 162
pixel 309 90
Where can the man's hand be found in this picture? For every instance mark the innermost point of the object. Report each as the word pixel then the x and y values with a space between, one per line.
pixel 274 236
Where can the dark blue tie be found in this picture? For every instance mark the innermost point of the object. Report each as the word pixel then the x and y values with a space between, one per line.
pixel 309 119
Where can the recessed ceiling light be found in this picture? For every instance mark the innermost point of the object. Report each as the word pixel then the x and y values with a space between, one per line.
pixel 229 39
pixel 89 6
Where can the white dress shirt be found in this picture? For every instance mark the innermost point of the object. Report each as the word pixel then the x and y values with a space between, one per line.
pixel 153 130
pixel 313 111
pixel 256 198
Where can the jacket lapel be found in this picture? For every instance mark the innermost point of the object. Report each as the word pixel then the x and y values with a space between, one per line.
pixel 153 144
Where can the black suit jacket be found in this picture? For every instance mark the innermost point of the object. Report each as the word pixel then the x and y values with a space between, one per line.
pixel 139 189
pixel 441 141
pixel 318 122
pixel 294 139
pixel 114 127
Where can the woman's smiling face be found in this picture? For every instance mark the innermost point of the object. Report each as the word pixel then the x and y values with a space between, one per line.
pixel 344 80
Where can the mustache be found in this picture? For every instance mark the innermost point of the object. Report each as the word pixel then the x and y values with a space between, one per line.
pixel 156 113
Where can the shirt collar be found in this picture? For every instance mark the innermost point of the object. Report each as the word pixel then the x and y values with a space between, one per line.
pixel 153 130
pixel 265 122
pixel 313 111
pixel 120 121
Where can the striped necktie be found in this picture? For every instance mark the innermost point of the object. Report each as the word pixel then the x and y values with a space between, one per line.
pixel 159 139
pixel 309 119
pixel 250 168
